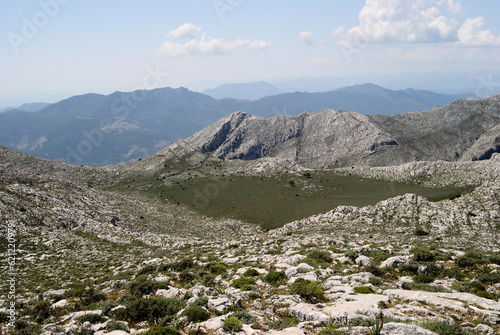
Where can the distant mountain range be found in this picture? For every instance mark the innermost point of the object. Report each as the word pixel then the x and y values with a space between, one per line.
pixel 246 91
pixel 101 130
pixel 30 108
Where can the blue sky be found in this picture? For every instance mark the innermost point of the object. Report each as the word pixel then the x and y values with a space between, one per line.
pixel 53 49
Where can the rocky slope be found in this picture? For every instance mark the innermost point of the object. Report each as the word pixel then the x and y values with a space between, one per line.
pixel 107 251
pixel 463 130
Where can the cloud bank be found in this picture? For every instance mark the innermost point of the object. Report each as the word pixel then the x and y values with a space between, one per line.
pixel 206 44
pixel 419 21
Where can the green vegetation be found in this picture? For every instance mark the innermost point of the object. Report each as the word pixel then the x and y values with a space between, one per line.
pixel 232 324
pixel 274 201
pixel 251 273
pixel 274 277
pixel 363 290
pixel 242 282
pixel 116 325
pixel 443 328
pixel 311 292
pixel 162 331
pixel 244 317
pixel 92 318
pixel 196 314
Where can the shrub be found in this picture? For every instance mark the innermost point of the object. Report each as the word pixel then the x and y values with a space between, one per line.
pixel 244 317
pixel 92 296
pixel 232 324
pixel 85 331
pixel 471 258
pixel 443 328
pixel 422 254
pixel 310 291
pixel 183 265
pixel 92 318
pixel 360 322
pixel 351 254
pixel 24 328
pixel 153 309
pixel 162 331
pixel 420 232
pixel 238 283
pixel 147 270
pixel 286 322
pixel 201 301
pixel 464 261
pixel 42 310
pixel 274 277
pixel 490 278
pixel 375 281
pixel 196 314
pixel 330 330
pixel 363 290
pixel 141 287
pixel 116 325
pixel 3 317
pixel 424 279
pixel 218 269
pixel 321 256
pixel 251 273
pixel 478 286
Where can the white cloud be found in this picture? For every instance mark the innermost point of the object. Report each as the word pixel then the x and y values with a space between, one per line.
pixel 472 33
pixel 419 21
pixel 455 7
pixel 338 32
pixel 323 61
pixel 401 21
pixel 306 37
pixel 186 30
pixel 208 45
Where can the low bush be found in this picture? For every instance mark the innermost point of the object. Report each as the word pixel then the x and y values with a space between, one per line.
pixel 363 290
pixel 239 283
pixel 116 325
pixel 309 291
pixel 196 314
pixel 147 270
pixel 471 258
pixel 321 255
pixel 443 328
pixel 424 279
pixel 251 273
pixel 218 269
pixel 162 331
pixel 201 301
pixel 244 317
pixel 490 278
pixel 274 277
pixel 232 324
pixel 152 309
pixel 92 318
pixel 360 322
pixel 422 254
pixel 42 310
pixel 139 287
